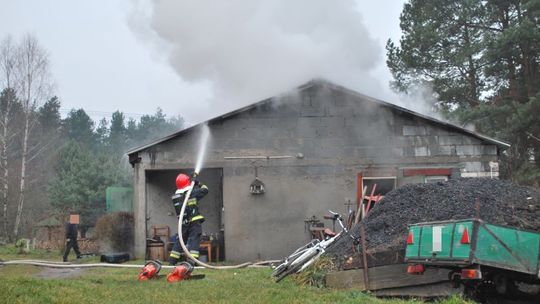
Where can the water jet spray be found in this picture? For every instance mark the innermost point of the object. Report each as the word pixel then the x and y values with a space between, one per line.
pixel 200 159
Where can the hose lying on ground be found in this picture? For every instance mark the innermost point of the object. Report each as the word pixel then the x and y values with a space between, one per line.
pixel 53 264
pixel 183 245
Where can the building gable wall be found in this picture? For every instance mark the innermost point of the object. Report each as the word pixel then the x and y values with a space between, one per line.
pixel 317 141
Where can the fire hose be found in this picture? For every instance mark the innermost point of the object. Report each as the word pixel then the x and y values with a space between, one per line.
pixel 53 264
pixel 181 239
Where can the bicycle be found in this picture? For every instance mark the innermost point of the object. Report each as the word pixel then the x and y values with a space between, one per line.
pixel 304 256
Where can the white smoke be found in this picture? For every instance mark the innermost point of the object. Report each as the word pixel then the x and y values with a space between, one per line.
pixel 421 98
pixel 249 50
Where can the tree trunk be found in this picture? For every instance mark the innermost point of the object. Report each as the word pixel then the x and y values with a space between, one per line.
pixel 471 72
pixel 4 165
pixel 23 175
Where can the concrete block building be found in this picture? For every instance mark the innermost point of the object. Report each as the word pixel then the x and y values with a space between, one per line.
pixel 273 164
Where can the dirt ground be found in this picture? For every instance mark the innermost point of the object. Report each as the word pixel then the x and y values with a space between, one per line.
pixel 59 273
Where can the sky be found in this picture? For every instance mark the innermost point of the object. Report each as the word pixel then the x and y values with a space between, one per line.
pixel 203 58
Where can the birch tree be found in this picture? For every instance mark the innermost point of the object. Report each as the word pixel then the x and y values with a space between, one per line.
pixel 7 74
pixel 33 82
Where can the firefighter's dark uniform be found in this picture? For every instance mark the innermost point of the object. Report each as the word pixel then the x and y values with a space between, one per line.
pixel 71 240
pixel 191 225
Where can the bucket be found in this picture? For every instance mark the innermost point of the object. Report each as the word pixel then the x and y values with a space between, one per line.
pixel 156 251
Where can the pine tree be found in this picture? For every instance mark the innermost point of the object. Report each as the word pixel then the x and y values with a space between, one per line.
pixel 79 127
pixel 482 59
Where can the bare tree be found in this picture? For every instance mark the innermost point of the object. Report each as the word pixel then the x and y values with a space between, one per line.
pixel 7 74
pixel 33 86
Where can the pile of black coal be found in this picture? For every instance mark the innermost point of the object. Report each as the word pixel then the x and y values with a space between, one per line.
pixel 500 202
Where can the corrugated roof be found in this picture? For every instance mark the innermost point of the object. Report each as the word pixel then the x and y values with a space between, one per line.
pixel 331 85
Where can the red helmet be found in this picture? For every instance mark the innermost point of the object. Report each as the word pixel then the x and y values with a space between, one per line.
pixel 182 181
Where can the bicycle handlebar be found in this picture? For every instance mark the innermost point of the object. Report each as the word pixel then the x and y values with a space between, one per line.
pixel 337 216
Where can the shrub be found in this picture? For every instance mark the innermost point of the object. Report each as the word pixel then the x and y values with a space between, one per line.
pixel 21 246
pixel 115 232
pixel 315 274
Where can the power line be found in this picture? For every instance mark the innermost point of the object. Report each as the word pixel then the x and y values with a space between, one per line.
pixel 101 113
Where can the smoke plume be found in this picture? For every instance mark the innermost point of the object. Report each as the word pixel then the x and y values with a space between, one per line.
pixel 250 50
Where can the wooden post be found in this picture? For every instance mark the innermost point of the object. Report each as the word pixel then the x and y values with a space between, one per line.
pixel 477 206
pixel 368 205
pixel 359 191
pixel 364 257
pixel 359 213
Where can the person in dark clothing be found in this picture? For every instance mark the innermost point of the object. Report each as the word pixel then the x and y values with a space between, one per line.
pixel 192 220
pixel 71 238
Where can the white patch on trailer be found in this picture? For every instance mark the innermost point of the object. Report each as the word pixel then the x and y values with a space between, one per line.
pixel 437 238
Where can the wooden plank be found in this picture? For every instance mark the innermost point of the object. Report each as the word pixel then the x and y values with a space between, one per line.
pixel 382 277
pixel 440 289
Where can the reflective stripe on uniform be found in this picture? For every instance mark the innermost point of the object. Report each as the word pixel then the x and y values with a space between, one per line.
pixel 192 202
pixel 197 217
pixel 175 254
pixel 194 253
pixel 204 187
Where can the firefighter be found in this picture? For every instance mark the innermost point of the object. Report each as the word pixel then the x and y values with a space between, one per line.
pixel 71 237
pixel 192 220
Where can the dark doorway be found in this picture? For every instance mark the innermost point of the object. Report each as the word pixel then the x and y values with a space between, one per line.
pixel 160 211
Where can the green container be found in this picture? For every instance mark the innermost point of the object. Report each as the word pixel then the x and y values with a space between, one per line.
pixel 467 242
pixel 119 199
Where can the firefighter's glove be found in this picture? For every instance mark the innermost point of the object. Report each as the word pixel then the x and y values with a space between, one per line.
pixel 195 178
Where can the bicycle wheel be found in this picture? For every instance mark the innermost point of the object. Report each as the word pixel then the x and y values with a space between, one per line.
pixel 278 270
pixel 288 260
pixel 295 266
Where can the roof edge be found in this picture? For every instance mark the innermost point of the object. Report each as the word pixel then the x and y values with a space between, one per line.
pixel 222 116
pixel 322 81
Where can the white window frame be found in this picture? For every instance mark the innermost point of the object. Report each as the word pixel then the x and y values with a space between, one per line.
pixel 435 178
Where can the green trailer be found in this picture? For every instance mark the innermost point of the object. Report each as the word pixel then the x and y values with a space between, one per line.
pixel 475 252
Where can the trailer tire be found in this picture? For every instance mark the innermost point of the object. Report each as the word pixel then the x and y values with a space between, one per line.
pixel 455 279
pixel 504 285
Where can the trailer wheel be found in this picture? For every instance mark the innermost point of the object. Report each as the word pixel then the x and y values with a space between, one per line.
pixel 504 285
pixel 455 279
pixel 474 291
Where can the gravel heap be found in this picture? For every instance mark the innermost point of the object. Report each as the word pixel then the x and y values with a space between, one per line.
pixel 501 202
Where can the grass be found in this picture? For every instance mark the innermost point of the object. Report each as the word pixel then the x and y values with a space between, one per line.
pixel 18 284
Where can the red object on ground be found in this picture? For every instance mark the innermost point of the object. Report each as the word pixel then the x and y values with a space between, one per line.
pixel 180 273
pixel 150 270
pixel 465 239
